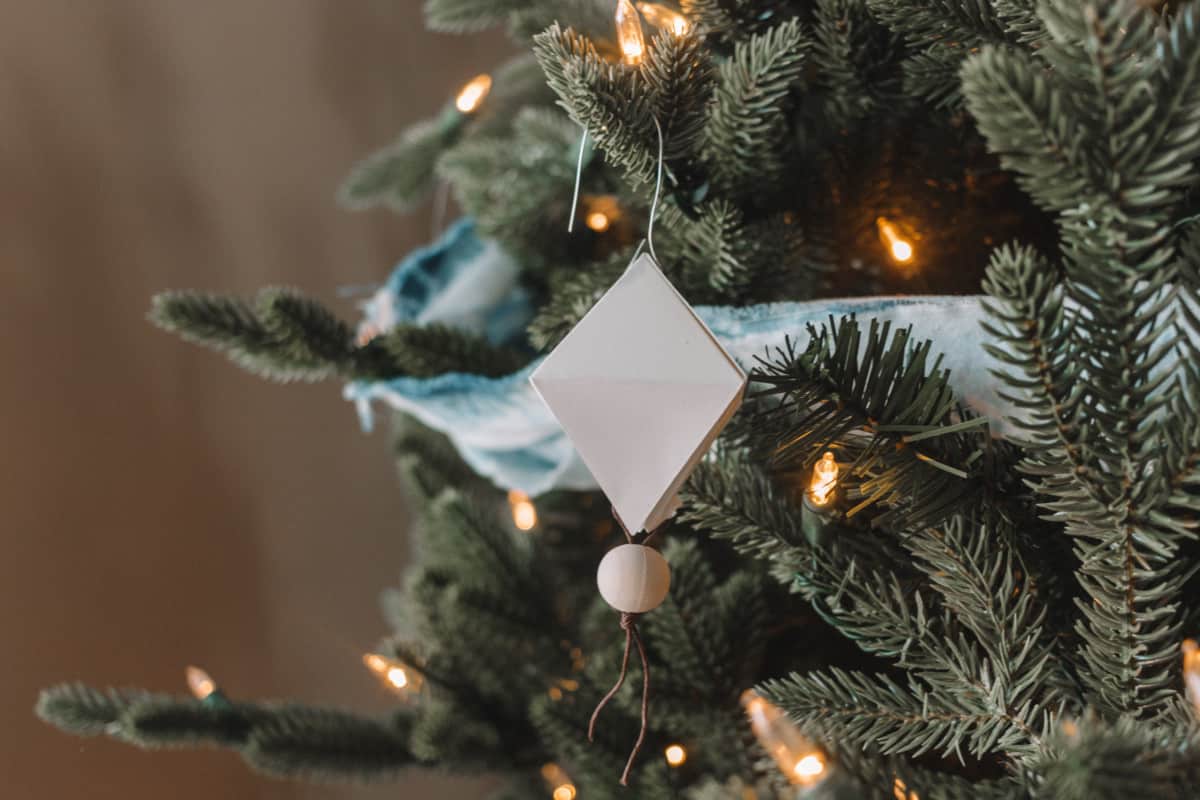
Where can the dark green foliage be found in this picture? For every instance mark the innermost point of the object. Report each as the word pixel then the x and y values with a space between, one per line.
pixel 885 407
pixel 400 175
pixel 423 351
pixel 517 183
pixel 167 721
pixel 85 711
pixel 319 744
pixel 280 740
pixel 1092 376
pixel 612 101
pixel 745 135
pixel 1097 760
pixel 284 336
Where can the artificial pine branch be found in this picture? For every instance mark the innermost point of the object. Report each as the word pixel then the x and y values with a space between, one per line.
pixel 516 184
pixel 285 336
pixel 747 122
pixel 896 719
pixel 612 101
pixel 1093 759
pixel 320 744
pixel 852 55
pixel 680 79
pixel 400 175
pixel 280 740
pixel 470 16
pixel 84 711
pixel 1098 455
pixel 886 406
pixel 423 351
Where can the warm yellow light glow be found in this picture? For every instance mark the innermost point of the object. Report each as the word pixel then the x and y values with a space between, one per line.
pixel 900 791
pixel 471 95
pixel 824 480
pixel 600 211
pixel 629 32
pixel 200 683
pixel 558 782
pixel 676 755
pixel 898 247
pixel 392 673
pixel 397 677
pixel 598 221
pixel 524 513
pixel 797 756
pixel 664 18
pixel 810 766
pixel 1191 672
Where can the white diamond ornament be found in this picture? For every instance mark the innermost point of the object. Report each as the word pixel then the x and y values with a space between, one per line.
pixel 642 388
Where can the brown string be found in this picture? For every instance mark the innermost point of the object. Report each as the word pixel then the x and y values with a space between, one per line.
pixel 629 625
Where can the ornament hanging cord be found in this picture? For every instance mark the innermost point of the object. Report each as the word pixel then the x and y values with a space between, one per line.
pixel 658 182
pixel 632 637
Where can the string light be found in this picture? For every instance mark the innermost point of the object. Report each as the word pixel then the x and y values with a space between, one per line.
pixel 598 221
pixel 801 762
pixel 809 767
pixel 629 33
pixel 392 674
pixel 824 480
pixel 899 248
pixel 664 18
pixel 559 783
pixel 676 755
pixel 601 211
pixel 524 512
pixel 1191 671
pixel 200 683
pixel 473 93
pixel 900 791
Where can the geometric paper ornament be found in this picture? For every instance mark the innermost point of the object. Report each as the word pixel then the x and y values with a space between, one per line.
pixel 642 388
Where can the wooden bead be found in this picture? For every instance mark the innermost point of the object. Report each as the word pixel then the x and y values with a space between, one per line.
pixel 634 578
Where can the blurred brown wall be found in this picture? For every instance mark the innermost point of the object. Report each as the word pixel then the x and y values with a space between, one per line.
pixel 158 506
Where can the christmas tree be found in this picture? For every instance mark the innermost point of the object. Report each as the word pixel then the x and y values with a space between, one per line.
pixel 984 590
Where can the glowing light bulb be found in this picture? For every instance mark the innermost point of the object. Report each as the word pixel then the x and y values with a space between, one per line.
pixel 600 211
pixel 200 683
pixel 900 791
pixel 664 18
pixel 473 93
pixel 676 755
pixel 1191 672
pixel 392 673
pixel 824 480
pixel 629 33
pixel 598 221
pixel 397 677
pixel 797 757
pixel 810 766
pixel 524 513
pixel 900 249
pixel 558 782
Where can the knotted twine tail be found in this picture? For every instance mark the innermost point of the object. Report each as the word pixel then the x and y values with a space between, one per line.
pixel 629 625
